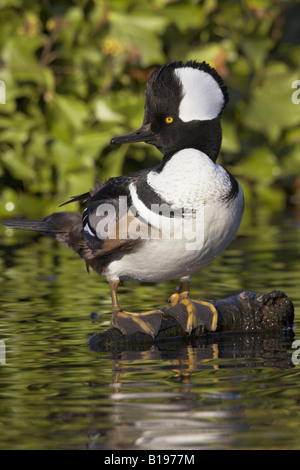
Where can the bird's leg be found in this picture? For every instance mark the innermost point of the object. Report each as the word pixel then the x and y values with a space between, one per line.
pixel 113 285
pixel 192 313
pixel 130 322
pixel 183 291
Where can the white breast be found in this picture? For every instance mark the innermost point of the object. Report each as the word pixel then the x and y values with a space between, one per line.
pixel 190 180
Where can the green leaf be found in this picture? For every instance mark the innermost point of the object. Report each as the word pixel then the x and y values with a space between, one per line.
pixel 185 16
pixel 114 161
pixel 20 53
pixel 103 112
pixel 16 128
pixel 140 35
pixel 90 143
pixel 260 165
pixel 257 50
pixel 17 165
pixel 230 141
pixel 271 109
pixel 70 109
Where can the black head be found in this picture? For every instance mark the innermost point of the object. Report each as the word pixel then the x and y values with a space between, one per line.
pixel 183 106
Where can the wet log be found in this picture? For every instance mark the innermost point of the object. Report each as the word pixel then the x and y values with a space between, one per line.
pixel 243 312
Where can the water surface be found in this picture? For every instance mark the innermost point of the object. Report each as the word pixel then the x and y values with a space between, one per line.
pixel 236 392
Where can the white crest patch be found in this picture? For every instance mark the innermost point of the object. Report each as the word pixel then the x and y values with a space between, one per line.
pixel 202 99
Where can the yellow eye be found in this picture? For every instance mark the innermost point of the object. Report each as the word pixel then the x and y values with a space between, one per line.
pixel 169 119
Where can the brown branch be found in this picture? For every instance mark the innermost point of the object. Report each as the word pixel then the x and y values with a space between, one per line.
pixel 244 312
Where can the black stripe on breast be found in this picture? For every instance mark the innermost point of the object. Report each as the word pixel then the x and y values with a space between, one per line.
pixel 234 191
pixel 154 201
pixel 147 194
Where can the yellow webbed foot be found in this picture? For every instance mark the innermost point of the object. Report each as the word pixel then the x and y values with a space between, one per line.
pixel 130 322
pixel 179 297
pixel 192 313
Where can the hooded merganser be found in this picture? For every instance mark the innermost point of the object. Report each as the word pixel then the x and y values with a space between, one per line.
pixel 164 222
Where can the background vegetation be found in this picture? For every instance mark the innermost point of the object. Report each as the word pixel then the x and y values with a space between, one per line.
pixel 75 74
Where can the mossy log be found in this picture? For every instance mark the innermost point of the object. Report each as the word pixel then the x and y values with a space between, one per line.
pixel 245 312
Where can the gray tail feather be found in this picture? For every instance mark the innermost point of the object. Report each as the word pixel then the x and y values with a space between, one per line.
pixel 58 222
pixel 35 225
pixel 66 227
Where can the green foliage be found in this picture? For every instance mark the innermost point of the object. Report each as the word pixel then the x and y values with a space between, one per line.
pixel 75 74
